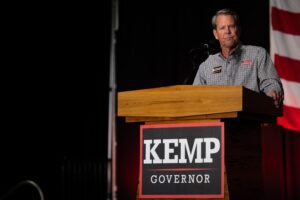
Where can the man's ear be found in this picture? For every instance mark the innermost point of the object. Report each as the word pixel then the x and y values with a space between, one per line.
pixel 215 34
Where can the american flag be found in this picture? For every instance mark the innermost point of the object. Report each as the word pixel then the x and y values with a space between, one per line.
pixel 285 52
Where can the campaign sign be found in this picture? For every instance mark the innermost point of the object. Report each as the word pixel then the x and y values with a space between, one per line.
pixel 182 160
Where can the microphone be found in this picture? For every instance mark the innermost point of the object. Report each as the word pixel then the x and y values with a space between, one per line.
pixel 204 48
pixel 197 55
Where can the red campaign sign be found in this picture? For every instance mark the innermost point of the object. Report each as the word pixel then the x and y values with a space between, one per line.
pixel 182 160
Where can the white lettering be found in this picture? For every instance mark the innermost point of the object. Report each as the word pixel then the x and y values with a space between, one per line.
pixel 180 178
pixel 169 150
pixel 185 146
pixel 209 150
pixel 153 179
pixel 206 176
pixel 176 178
pixel 169 177
pixel 191 178
pixel 161 179
pixel 197 178
pixel 185 152
pixel 183 178
pixel 151 151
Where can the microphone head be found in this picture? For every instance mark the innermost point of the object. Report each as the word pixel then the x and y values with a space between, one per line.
pixel 202 49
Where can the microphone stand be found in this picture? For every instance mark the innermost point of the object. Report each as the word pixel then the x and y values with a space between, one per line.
pixel 112 142
pixel 193 54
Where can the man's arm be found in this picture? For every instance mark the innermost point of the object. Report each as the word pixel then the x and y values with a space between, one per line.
pixel 199 80
pixel 269 81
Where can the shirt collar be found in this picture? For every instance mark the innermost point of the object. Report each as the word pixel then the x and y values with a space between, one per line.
pixel 236 50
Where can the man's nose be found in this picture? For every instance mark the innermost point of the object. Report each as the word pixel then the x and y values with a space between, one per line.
pixel 228 30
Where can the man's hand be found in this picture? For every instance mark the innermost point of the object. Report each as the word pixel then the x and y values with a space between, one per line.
pixel 277 97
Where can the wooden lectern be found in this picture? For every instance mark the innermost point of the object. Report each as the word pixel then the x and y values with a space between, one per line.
pixel 241 109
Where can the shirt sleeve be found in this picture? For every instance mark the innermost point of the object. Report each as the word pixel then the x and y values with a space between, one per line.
pixel 267 74
pixel 199 79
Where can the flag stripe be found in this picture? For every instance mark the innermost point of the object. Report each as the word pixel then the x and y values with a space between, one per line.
pixel 292 93
pixel 285 52
pixel 285 45
pixel 285 21
pixel 290 5
pixel 287 68
pixel 291 119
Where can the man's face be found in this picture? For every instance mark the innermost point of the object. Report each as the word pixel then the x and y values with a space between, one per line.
pixel 226 31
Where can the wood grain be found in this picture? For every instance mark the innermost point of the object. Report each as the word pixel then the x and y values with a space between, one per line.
pixel 183 102
pixel 180 101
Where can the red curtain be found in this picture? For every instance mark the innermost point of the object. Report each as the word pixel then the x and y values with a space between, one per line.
pixel 281 163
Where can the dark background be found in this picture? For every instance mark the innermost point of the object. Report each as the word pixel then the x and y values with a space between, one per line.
pixel 54 83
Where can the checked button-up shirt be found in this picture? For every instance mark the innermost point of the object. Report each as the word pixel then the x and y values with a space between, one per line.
pixel 250 66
